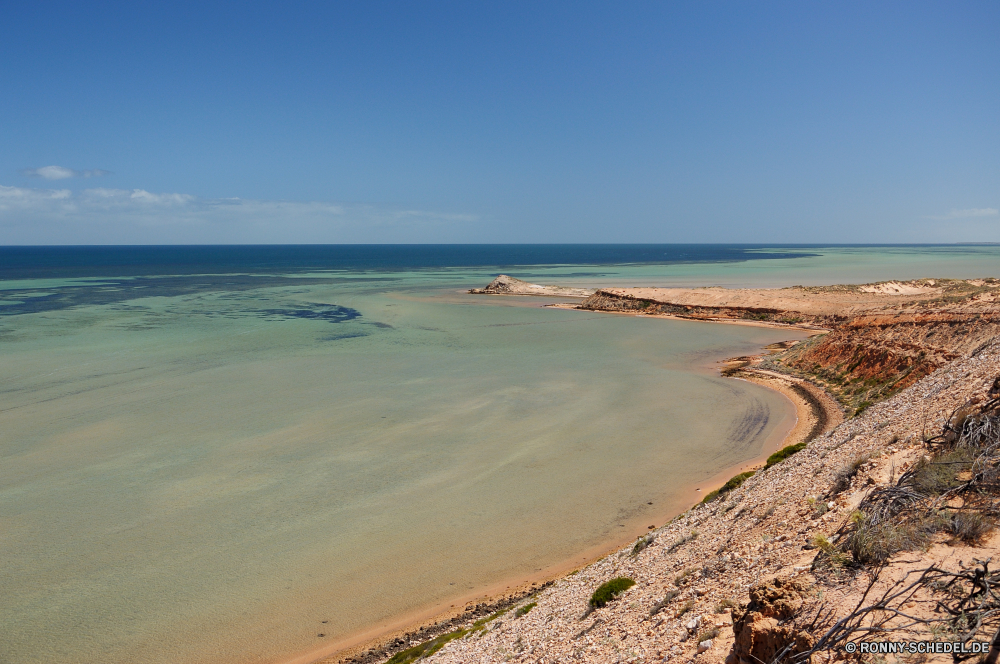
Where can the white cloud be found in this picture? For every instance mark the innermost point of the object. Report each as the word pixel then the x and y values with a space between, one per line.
pixel 976 212
pixel 971 212
pixel 116 216
pixel 62 173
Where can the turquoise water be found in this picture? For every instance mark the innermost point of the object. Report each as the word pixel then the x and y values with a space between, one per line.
pixel 225 468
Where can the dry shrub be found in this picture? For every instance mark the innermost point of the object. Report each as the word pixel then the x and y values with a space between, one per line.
pixel 936 476
pixel 725 605
pixel 842 480
pixel 682 541
pixel 671 594
pixel 970 527
pixel 874 543
pixel 688 605
pixel 708 634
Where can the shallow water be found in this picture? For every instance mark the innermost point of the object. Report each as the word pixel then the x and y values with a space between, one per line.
pixel 205 469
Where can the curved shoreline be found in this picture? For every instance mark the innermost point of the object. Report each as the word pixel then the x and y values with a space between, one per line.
pixel 379 642
pixel 728 546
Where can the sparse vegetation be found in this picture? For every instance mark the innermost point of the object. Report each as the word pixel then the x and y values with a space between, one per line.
pixel 708 634
pixel 671 594
pixel 687 606
pixel 610 590
pixel 643 542
pixel 819 506
pixel 425 649
pixel 682 541
pixel 431 646
pixel 725 604
pixel 683 576
pixel 733 483
pixel 842 480
pixel 784 453
pixel 955 490
pixel 523 610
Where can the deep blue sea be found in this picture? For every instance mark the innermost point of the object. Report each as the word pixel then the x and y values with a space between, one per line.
pixel 28 262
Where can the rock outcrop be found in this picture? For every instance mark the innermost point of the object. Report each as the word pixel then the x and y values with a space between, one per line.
pixel 507 285
pixel 764 628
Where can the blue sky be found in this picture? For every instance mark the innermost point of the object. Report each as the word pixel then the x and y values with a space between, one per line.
pixel 499 122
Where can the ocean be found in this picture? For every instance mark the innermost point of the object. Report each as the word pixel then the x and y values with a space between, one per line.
pixel 218 454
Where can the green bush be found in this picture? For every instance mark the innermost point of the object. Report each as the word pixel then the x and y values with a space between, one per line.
pixel 524 609
pixel 733 483
pixel 610 590
pixel 642 542
pixel 784 453
pixel 425 649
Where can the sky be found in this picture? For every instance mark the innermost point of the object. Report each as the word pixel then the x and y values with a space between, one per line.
pixel 345 122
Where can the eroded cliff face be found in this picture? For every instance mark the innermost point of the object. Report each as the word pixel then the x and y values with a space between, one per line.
pixel 606 300
pixel 870 357
pixel 880 338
